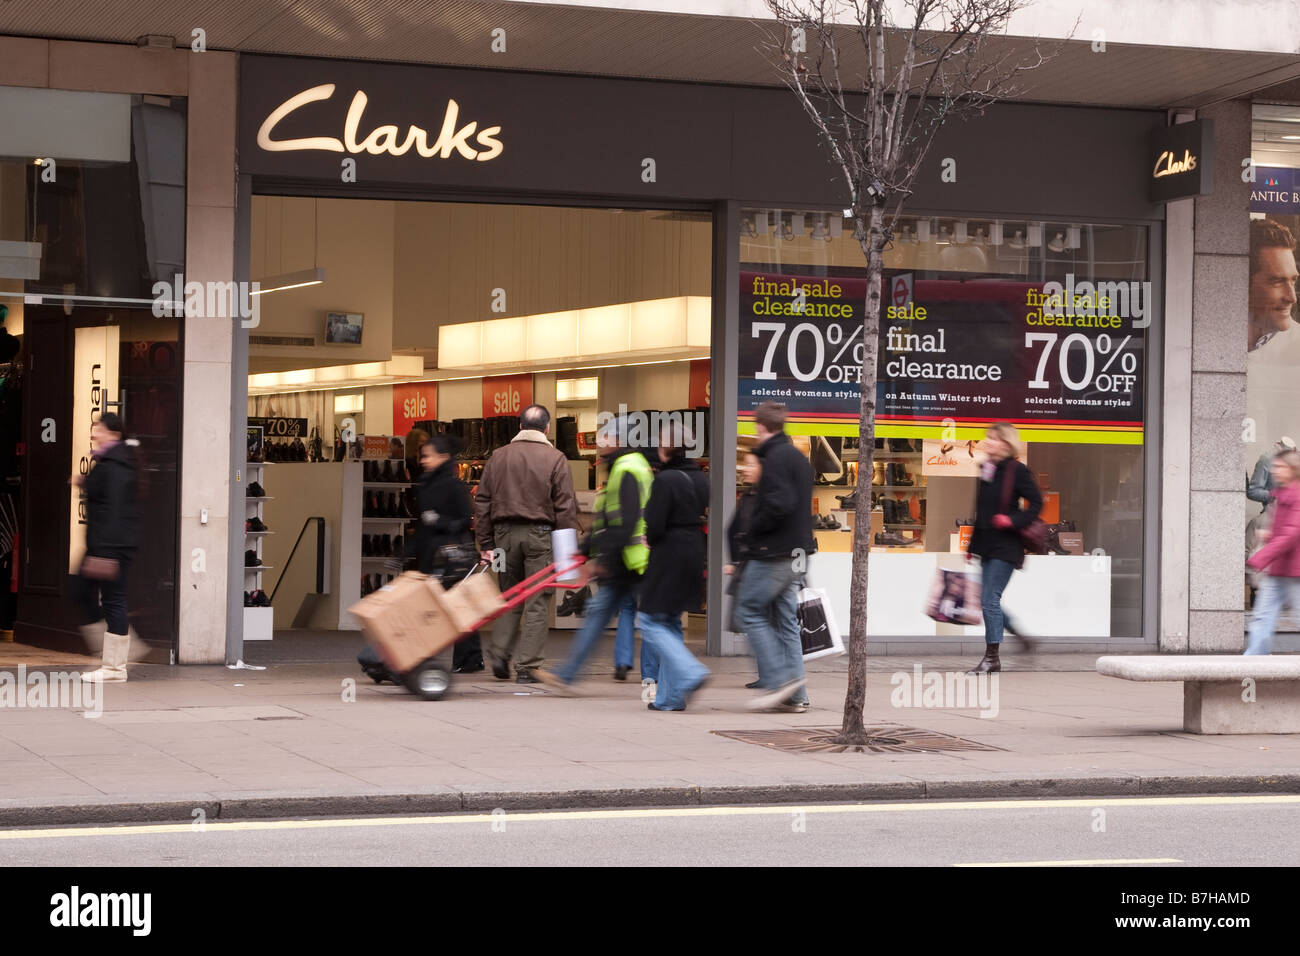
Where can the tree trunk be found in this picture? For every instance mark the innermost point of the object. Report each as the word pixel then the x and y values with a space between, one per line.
pixel 852 730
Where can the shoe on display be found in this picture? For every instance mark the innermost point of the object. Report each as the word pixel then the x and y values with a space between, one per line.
pixel 902 476
pixel 255 490
pixel 878 473
pixel 251 560
pixel 254 524
pixel 848 502
pixel 891 539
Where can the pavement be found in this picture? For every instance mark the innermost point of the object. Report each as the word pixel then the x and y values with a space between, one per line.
pixel 310 735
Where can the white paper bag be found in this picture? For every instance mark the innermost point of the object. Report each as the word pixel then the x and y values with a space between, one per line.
pixel 818 632
pixel 564 545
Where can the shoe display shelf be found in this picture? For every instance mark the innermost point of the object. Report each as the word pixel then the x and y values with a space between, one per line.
pixel 258 621
pixel 386 497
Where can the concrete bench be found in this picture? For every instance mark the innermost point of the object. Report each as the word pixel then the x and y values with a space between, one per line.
pixel 1223 693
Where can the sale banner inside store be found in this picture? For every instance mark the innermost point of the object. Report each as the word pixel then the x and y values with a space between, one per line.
pixel 1062 360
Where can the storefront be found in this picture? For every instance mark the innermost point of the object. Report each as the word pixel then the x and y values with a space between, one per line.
pixel 92 213
pixel 445 244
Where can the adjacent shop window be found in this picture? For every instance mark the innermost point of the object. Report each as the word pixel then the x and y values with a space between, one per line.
pixel 1271 339
pixel 1040 323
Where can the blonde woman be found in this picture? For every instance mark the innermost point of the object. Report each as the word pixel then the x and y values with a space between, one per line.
pixel 1280 555
pixel 1004 480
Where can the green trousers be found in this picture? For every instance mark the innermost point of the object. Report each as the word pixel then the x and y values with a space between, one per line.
pixel 526 549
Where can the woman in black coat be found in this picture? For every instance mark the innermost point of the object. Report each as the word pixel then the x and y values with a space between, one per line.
pixel 443 521
pixel 674 578
pixel 109 489
pixel 995 539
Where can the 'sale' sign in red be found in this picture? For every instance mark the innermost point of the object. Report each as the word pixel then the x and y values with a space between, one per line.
pixel 507 395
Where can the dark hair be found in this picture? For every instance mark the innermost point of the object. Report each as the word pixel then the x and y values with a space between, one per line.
pixel 113 422
pixel 442 444
pixel 1268 234
pixel 535 417
pixel 771 415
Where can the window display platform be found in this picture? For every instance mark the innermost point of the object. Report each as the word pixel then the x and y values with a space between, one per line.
pixel 898 585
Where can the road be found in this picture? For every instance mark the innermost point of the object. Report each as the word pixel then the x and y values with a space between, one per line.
pixel 1170 831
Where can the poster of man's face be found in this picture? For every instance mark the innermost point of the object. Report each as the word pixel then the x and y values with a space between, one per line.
pixel 1273 277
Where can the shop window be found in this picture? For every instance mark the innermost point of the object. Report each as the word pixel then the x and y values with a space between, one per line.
pixel 1040 323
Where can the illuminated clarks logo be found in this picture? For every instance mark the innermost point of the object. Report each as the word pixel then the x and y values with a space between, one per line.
pixel 1167 165
pixel 382 139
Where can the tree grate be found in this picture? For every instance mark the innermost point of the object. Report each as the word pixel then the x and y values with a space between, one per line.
pixel 881 739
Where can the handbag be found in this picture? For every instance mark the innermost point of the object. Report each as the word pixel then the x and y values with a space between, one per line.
pixel 99 569
pixel 818 633
pixel 1033 536
pixel 954 598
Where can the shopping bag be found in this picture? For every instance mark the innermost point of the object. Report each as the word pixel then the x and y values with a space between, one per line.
pixel 817 631
pixel 404 622
pixel 564 546
pixel 474 598
pixel 955 597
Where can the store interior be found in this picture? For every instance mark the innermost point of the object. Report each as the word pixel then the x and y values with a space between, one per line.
pixel 382 319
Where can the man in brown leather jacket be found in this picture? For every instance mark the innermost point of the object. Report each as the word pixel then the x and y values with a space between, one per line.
pixel 526 492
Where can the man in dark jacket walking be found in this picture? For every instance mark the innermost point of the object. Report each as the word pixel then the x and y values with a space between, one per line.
pixel 109 489
pixel 616 549
pixel 778 544
pixel 444 514
pixel 526 492
pixel 674 579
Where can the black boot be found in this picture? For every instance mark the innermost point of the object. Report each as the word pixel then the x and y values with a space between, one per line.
pixel 566 438
pixel 990 664
pixel 850 501
pixel 901 475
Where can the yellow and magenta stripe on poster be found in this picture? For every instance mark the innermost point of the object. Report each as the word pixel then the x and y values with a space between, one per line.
pixel 1059 433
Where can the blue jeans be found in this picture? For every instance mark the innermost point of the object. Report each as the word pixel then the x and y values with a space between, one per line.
pixel 609 599
pixel 995 573
pixel 767 607
pixel 679 671
pixel 1269 598
pixel 625 641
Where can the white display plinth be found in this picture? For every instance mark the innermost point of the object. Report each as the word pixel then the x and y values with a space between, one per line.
pixel 1054 596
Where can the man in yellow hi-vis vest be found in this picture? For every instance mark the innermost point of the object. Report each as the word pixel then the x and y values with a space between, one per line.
pixel 616 549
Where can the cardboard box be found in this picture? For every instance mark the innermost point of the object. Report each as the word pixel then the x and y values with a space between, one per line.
pixel 405 622
pixel 469 602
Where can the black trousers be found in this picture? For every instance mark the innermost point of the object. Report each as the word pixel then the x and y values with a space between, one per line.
pixel 105 599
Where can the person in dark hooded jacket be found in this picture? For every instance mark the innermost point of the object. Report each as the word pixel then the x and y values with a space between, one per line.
pixel 443 522
pixel 109 489
pixel 674 578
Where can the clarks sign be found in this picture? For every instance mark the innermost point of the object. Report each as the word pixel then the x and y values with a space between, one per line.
pixel 452 137
pixel 1182 161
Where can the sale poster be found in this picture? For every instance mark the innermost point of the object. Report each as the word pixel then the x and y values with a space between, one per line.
pixel 413 402
pixel 1063 361
pixel 507 395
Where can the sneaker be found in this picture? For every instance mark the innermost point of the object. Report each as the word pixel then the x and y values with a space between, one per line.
pixel 255 490
pixel 251 560
pixel 789 708
pixel 775 698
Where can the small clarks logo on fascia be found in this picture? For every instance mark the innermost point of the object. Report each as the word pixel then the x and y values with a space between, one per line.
pixel 382 139
pixel 78 909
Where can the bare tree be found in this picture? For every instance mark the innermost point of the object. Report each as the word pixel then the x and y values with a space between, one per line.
pixel 877 94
